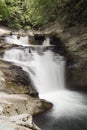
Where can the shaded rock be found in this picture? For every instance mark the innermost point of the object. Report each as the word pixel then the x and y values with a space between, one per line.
pixel 76 75
pixel 36 39
pixel 39 37
pixel 59 47
pixel 75 44
pixel 2 81
pixel 17 80
pixel 76 67
pixel 46 106
pixel 2 38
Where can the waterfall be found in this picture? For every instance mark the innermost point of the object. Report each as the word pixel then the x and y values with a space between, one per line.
pixel 46 42
pixel 17 55
pixel 47 71
pixel 13 39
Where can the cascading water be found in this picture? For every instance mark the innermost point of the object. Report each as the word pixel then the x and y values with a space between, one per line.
pixel 47 74
pixel 24 41
pixel 46 42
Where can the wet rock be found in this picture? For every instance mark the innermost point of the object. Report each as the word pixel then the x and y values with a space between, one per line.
pixel 2 81
pixel 39 37
pixel 36 39
pixel 46 106
pixel 17 80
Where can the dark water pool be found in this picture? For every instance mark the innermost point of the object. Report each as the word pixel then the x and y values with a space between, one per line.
pixel 63 123
pixel 76 121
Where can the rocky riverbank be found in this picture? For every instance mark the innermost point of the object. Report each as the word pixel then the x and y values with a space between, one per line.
pixel 19 99
pixel 17 88
pixel 16 111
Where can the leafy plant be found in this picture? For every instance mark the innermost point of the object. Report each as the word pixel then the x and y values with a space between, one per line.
pixel 34 13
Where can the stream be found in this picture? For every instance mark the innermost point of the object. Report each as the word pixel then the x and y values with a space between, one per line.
pixel 47 72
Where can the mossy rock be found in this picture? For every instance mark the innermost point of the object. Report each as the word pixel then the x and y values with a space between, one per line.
pixel 17 80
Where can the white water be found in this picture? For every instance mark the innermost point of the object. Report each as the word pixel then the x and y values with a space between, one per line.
pixel 47 74
pixel 24 41
pixel 17 55
pixel 46 42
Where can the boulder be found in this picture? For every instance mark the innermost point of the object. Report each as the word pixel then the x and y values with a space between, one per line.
pixel 20 122
pixel 15 104
pixel 16 79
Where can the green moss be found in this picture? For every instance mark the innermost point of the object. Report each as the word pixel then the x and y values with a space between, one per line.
pixel 17 89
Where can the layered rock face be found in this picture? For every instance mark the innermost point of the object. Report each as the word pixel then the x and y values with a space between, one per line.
pixel 77 70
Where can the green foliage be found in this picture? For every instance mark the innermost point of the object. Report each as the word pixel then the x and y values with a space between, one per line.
pixel 42 11
pixel 4 13
pixel 33 13
pixel 14 13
